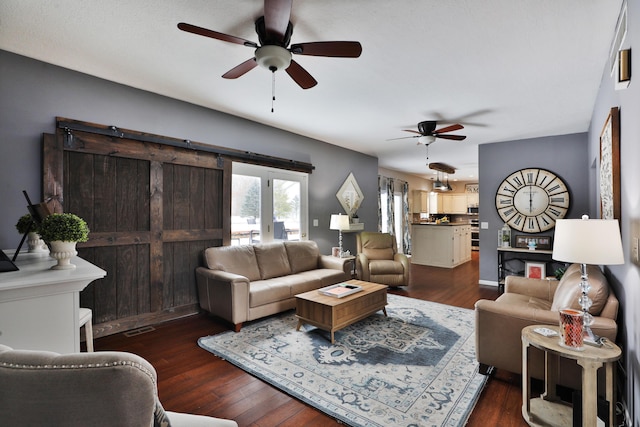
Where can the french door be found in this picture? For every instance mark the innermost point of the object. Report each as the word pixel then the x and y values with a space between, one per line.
pixel 267 204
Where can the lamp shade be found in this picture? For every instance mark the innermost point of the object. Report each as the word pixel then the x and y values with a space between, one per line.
pixel 339 222
pixel 588 241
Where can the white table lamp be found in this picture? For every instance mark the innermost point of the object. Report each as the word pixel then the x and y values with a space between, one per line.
pixel 587 241
pixel 339 222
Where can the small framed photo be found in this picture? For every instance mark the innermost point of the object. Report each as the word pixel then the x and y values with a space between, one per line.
pixel 535 270
pixel 542 242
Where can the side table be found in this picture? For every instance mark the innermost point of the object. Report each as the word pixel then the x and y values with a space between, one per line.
pixel 351 259
pixel 548 410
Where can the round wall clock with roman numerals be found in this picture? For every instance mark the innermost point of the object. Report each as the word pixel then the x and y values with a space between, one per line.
pixel 531 200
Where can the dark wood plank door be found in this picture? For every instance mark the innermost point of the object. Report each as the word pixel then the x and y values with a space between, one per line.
pixel 152 209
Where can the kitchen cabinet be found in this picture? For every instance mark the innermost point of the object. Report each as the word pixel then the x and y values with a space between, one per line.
pixel 420 201
pixel 441 245
pixel 473 199
pixel 448 203
pixel 435 203
pixel 454 203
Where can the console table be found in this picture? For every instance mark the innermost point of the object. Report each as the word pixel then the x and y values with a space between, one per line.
pixel 39 307
pixel 507 254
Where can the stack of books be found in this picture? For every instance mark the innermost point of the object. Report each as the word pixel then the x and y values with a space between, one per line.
pixel 340 290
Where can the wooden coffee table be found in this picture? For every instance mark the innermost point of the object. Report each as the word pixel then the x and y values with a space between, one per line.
pixel 331 314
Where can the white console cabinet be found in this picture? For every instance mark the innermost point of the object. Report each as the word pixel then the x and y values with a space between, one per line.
pixel 39 307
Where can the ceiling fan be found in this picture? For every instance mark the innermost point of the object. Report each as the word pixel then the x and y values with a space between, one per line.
pixel 274 32
pixel 427 132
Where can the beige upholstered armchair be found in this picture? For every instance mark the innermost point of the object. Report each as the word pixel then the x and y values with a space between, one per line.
pixel 378 260
pixel 41 388
pixel 527 302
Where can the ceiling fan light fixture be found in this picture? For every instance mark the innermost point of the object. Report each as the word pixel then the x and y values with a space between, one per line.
pixel 273 57
pixel 426 139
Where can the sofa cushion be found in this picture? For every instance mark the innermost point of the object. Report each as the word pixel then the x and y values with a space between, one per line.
pixel 272 260
pixel 520 302
pixel 569 291
pixel 303 256
pixel 233 259
pixel 385 266
pixel 271 290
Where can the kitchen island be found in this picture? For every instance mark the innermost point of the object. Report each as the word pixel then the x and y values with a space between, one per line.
pixel 441 245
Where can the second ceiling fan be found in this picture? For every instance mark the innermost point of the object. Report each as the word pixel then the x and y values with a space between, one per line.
pixel 427 132
pixel 274 32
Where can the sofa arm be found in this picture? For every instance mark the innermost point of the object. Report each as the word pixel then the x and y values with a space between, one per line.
pixel 335 263
pixel 538 288
pixel 223 294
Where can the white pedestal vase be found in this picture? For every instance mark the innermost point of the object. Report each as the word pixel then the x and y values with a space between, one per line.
pixel 63 252
pixel 36 244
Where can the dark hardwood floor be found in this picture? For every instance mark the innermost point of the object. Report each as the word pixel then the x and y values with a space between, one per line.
pixel 193 380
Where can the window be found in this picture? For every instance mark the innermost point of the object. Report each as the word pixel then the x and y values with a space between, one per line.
pixel 267 205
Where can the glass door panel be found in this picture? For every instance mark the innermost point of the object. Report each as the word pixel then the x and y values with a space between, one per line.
pixel 286 209
pixel 245 209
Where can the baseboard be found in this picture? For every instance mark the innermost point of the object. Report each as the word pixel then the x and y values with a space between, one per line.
pixel 488 283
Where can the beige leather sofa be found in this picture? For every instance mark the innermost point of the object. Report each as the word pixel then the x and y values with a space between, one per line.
pixel 527 302
pixel 247 282
pixel 42 388
pixel 378 260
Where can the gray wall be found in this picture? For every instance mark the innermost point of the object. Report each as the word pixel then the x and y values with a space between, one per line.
pixel 564 155
pixel 625 278
pixel 33 93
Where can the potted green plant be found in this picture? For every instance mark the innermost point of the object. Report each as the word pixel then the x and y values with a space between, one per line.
pixel 62 231
pixel 26 225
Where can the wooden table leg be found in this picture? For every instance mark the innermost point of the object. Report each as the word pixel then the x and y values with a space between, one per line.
pixel 590 392
pixel 550 376
pixel 384 310
pixel 526 381
pixel 299 325
pixel 610 382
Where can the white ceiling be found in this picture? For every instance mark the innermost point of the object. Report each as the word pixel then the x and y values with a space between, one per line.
pixel 504 69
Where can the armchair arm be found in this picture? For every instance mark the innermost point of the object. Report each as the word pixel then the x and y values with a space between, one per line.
pixel 538 288
pixel 223 294
pixel 498 332
pixel 362 267
pixel 402 259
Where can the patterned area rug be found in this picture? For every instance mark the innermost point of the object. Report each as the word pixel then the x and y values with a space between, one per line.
pixel 416 367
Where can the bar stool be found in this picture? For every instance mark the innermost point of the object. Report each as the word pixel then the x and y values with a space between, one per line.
pixel 85 320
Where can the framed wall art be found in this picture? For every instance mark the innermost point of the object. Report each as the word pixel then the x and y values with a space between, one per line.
pixel 542 242
pixel 350 195
pixel 610 166
pixel 535 270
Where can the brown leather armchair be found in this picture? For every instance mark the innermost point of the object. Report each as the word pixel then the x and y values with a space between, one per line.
pixel 378 260
pixel 527 302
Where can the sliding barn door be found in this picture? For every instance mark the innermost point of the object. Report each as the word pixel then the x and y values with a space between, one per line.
pixel 152 209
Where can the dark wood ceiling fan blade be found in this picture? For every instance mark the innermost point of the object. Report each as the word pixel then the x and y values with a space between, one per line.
pixel 413 131
pixel 215 35
pixel 454 137
pixel 301 76
pixel 276 18
pixel 404 137
pixel 241 69
pixel 339 49
pixel 449 128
